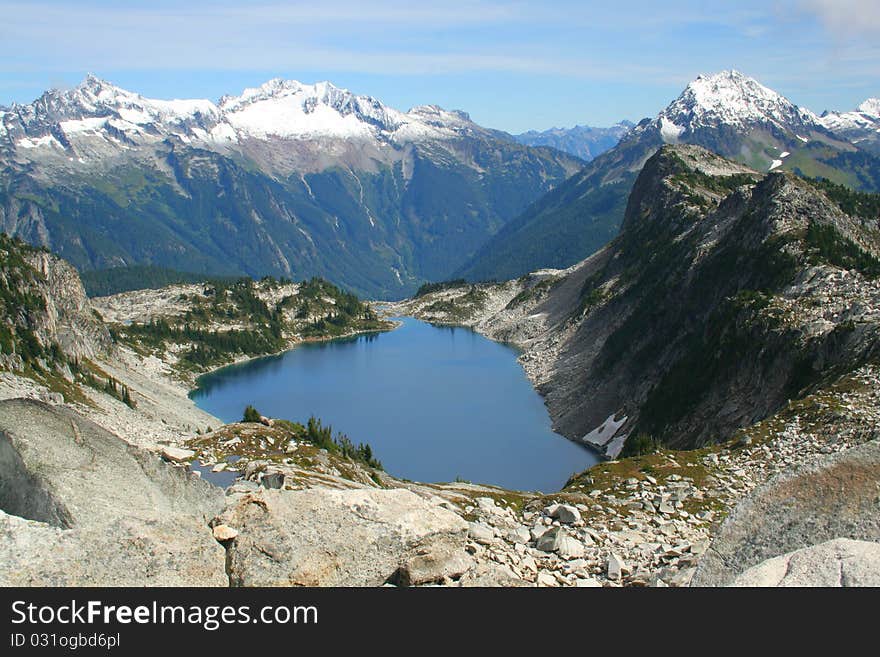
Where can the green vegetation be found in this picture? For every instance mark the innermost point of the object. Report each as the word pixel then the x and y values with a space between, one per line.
pixel 207 212
pixel 104 282
pixel 319 309
pixel 119 391
pixel 566 225
pixel 322 437
pixel 428 288
pixel 251 414
pixel 826 244
pixel 21 305
pixel 639 444
pixel 722 185
pixel 462 307
pixel 853 203
pixel 534 292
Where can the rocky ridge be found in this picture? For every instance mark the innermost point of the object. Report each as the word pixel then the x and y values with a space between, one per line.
pixel 727 113
pixel 717 260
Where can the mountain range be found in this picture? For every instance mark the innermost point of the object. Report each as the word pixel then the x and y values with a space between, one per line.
pixel 583 141
pixel 729 114
pixel 299 180
pixel 286 179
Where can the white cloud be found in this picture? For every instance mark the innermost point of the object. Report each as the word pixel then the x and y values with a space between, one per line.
pixel 846 18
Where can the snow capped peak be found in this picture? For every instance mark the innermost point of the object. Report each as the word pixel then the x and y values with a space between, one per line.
pixel 871 107
pixel 291 109
pixel 855 124
pixel 99 115
pixel 729 98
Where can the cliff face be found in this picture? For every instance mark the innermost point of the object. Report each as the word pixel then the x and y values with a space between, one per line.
pixel 44 310
pixel 726 294
pixel 69 319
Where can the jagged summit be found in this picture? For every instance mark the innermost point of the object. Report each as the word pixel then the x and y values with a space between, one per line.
pixel 283 178
pixel 278 108
pixel 858 124
pixel 733 99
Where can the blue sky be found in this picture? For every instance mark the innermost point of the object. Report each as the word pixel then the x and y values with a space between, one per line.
pixel 512 65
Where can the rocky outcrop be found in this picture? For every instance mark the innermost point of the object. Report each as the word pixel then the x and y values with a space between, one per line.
pixel 834 496
pixel 45 316
pixel 82 507
pixel 323 537
pixel 838 563
pixel 727 293
pixel 69 319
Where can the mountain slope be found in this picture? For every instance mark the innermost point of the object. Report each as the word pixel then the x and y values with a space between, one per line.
pixel 727 293
pixel 286 179
pixel 582 141
pixel 727 113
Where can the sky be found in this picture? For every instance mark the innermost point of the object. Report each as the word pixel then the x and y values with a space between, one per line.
pixel 512 65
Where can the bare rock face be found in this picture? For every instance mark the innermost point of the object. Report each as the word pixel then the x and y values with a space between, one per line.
pixel 833 497
pixel 838 563
pixel 79 506
pixel 68 319
pixel 130 552
pixel 323 537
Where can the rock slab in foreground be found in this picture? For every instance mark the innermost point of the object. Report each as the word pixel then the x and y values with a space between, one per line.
pixel 832 497
pixel 81 507
pixel 838 563
pixel 323 537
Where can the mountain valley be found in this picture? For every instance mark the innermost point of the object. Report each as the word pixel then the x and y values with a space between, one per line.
pixel 721 351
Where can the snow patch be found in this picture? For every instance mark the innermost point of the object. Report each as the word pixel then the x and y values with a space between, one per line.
pixel 83 125
pixel 37 142
pixel 600 436
pixel 670 131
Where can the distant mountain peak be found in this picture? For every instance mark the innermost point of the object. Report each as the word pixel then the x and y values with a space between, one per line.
pixel 857 124
pixel 871 106
pixel 729 98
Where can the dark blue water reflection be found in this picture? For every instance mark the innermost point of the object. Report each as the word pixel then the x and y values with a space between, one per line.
pixel 435 403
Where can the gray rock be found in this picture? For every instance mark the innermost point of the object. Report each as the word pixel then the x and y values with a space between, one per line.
pixel 491 574
pixel 444 560
pixel 841 562
pixel 546 579
pixel 487 505
pixel 615 567
pixel 549 540
pixel 324 537
pixel 569 547
pixel 129 553
pixel 481 533
pixel 831 497
pixel 80 507
pixel 273 480
pixel 177 454
pixel 519 534
pixel 567 514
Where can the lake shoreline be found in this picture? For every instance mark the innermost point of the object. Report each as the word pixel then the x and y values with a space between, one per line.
pixel 477 416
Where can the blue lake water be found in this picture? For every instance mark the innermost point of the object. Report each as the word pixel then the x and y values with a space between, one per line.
pixel 435 403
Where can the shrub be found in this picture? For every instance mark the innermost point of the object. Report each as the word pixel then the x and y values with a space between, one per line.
pixel 251 414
